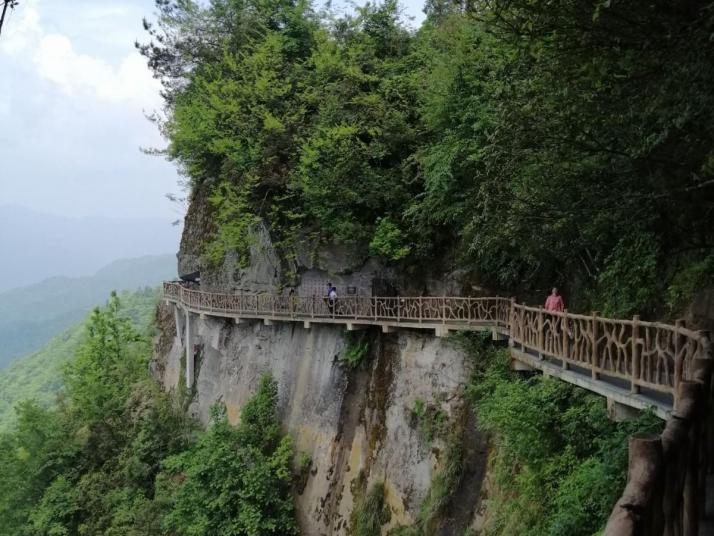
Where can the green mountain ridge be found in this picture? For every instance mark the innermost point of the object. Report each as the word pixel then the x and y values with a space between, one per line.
pixel 30 316
pixel 38 376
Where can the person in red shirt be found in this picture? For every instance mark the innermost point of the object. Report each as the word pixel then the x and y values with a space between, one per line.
pixel 554 302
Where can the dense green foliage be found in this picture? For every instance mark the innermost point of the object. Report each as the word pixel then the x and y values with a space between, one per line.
pixel 559 462
pixel 38 376
pixel 117 456
pixel 590 122
pixel 31 316
pixel 234 480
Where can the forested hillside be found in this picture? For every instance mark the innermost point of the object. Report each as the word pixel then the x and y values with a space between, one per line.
pixel 30 316
pixel 38 376
pixel 117 456
pixel 532 143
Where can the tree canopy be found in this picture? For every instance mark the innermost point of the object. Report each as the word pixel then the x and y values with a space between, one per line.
pixel 536 142
pixel 118 456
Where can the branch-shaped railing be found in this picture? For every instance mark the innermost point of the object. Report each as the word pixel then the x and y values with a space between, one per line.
pixel 647 355
pixel 425 310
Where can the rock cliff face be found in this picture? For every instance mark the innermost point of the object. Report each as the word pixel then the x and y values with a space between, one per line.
pixel 356 426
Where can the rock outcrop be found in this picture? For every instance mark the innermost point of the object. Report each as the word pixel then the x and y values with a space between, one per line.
pixel 355 426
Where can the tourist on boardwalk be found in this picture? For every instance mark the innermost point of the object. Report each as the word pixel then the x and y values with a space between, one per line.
pixel 331 297
pixel 554 302
pixel 292 300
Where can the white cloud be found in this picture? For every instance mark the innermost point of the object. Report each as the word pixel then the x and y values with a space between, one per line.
pixel 72 93
pixel 55 59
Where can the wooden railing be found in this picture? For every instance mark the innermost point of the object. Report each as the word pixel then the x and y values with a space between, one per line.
pixel 647 355
pixel 667 477
pixel 417 310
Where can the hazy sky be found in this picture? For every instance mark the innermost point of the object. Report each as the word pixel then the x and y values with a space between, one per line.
pixel 73 92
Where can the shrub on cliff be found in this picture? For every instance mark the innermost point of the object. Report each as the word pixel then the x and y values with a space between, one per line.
pixel 559 463
pixel 532 145
pixel 234 480
pixel 119 457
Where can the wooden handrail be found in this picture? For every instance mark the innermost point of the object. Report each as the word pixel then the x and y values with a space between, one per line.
pixel 649 355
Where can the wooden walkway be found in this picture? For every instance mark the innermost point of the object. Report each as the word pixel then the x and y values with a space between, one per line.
pixel 633 363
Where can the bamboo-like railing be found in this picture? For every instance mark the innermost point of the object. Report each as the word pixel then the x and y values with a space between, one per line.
pixel 649 355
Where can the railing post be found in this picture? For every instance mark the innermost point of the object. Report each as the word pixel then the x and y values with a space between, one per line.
pixel 511 316
pixel 635 369
pixel 678 361
pixel 593 356
pixel 420 311
pixel 399 312
pixel 541 333
pixel 564 346
pixel 312 306
pixel 443 309
pixel 522 329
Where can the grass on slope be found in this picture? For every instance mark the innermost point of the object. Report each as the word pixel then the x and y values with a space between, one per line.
pixel 37 376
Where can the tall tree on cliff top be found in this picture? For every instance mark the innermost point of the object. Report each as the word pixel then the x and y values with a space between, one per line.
pixel 573 142
pixel 541 142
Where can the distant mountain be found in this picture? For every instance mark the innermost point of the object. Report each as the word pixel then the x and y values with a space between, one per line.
pixel 38 376
pixel 35 246
pixel 30 316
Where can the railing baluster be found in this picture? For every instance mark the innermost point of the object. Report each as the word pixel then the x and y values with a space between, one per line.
pixel 678 360
pixel 635 367
pixel 564 345
pixel 541 333
pixel 594 362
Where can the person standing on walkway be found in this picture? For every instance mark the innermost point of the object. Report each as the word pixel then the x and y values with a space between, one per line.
pixel 554 302
pixel 332 298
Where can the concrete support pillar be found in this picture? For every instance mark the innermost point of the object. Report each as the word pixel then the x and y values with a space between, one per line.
pixel 356 327
pixel 441 331
pixel 178 319
pixel 190 327
pixel 619 412
pixel 497 335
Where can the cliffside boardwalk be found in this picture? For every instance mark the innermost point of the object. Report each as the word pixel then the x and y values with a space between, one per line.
pixel 635 364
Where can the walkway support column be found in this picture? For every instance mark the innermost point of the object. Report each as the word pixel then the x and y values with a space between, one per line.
pixel 178 319
pixel 190 326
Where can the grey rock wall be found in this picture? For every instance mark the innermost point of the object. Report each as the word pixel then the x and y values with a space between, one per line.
pixel 356 426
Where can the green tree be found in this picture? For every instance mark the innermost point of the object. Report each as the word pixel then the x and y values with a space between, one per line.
pixel 234 480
